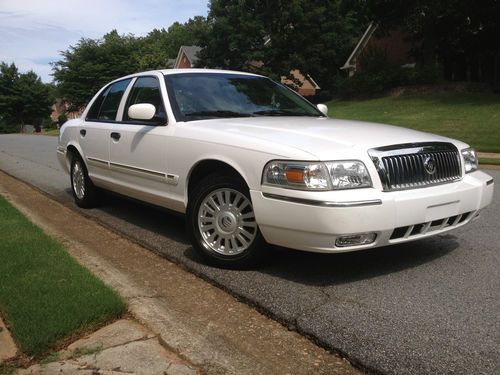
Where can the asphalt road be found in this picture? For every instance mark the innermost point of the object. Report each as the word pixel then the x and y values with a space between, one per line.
pixel 426 307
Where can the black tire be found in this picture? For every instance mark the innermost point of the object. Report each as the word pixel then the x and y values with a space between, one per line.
pixel 88 197
pixel 245 255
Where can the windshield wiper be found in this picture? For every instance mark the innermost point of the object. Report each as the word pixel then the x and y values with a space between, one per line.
pixel 222 114
pixel 281 112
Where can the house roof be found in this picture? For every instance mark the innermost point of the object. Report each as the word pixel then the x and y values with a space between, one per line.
pixel 191 53
pixel 351 61
pixel 297 74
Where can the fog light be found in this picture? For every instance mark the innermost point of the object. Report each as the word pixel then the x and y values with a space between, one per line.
pixel 355 239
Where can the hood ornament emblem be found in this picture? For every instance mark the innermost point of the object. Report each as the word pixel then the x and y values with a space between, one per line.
pixel 430 165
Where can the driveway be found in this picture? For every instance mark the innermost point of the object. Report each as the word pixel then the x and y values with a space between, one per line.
pixel 429 306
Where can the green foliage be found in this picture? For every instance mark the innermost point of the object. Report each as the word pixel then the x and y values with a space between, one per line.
pixel 47 123
pixel 378 75
pixel 62 118
pixel 86 67
pixel 310 35
pixel 461 34
pixel 161 45
pixel 90 64
pixel 24 98
pixel 237 34
pixel 45 295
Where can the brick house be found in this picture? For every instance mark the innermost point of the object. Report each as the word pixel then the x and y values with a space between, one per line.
pixel 187 57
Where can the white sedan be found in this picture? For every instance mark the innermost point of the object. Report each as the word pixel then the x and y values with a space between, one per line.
pixel 250 161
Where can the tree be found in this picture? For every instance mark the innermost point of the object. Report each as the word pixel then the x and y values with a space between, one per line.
pixel 24 98
pixel 161 45
pixel 237 34
pixel 89 65
pixel 311 35
pixel 10 105
pixel 460 35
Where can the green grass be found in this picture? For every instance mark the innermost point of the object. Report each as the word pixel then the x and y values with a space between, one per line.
pixel 471 117
pixel 491 161
pixel 45 295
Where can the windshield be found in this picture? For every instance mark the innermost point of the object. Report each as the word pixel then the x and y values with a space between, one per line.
pixel 198 96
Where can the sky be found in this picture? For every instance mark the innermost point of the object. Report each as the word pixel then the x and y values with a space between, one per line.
pixel 32 32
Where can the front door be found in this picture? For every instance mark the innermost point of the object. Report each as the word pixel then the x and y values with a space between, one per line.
pixel 138 148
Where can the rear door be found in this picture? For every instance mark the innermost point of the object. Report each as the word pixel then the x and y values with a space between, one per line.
pixel 96 129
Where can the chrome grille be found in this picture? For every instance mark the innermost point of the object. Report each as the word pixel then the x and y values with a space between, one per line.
pixel 409 166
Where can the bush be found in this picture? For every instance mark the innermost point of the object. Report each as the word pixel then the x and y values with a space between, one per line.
pixel 48 123
pixel 61 119
pixel 377 76
pixel 6 128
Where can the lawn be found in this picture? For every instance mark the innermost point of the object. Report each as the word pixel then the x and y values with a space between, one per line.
pixel 45 295
pixel 491 161
pixel 471 117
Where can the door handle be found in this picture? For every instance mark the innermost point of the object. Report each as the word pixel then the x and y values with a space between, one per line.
pixel 83 132
pixel 115 136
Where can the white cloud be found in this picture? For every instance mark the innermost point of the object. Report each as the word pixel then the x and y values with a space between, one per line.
pixel 33 32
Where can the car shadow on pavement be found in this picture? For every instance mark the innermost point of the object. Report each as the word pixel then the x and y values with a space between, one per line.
pixel 118 212
pixel 329 269
pixel 136 218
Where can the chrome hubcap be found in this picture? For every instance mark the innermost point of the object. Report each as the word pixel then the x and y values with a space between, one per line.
pixel 78 180
pixel 226 222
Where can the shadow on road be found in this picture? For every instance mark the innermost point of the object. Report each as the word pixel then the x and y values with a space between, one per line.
pixel 330 269
pixel 297 266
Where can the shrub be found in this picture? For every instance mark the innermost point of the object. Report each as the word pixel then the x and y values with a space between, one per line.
pixel 377 75
pixel 6 128
pixel 47 123
pixel 62 119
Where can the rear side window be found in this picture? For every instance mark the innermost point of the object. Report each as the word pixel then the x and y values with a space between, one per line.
pixel 145 90
pixel 106 105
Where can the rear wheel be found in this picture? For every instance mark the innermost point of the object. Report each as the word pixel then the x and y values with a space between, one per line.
pixel 221 223
pixel 84 191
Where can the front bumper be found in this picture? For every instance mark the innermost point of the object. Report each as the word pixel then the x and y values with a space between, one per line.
pixel 62 158
pixel 312 221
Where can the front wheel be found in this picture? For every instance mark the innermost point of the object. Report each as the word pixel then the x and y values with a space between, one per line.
pixel 84 191
pixel 221 223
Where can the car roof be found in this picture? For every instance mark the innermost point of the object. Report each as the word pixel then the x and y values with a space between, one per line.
pixel 188 70
pixel 180 71
pixel 195 70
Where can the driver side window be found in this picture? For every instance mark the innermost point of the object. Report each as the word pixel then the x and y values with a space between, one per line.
pixel 146 90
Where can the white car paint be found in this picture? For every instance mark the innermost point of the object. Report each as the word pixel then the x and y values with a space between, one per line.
pixel 164 156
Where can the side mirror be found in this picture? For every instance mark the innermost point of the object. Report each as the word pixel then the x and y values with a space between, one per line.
pixel 142 111
pixel 323 108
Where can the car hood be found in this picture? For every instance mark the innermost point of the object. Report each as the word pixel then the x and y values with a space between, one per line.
pixel 322 138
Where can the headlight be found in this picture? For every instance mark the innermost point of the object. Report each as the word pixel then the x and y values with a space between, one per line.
pixel 296 175
pixel 470 160
pixel 348 174
pixel 300 175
